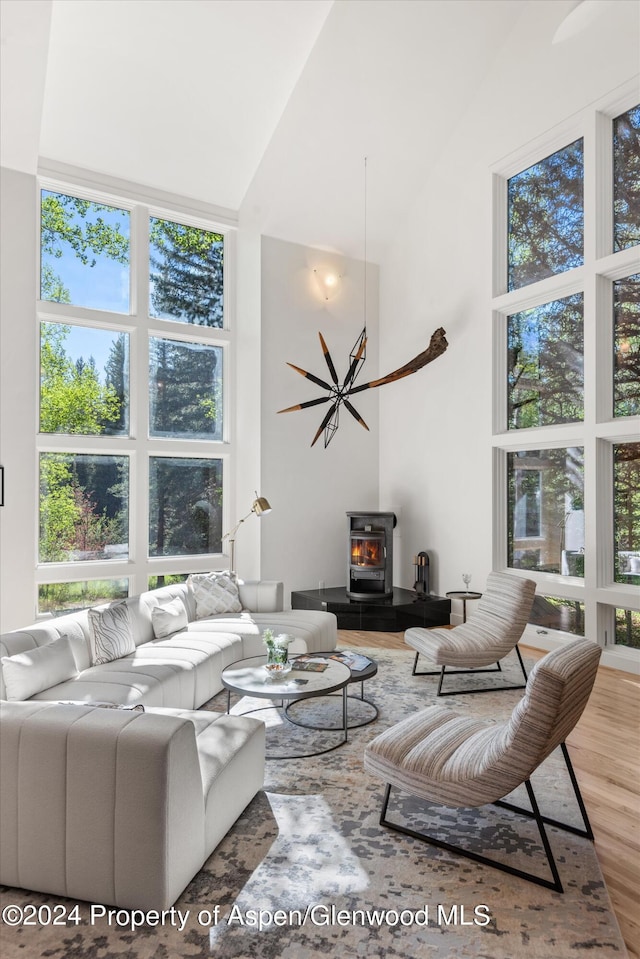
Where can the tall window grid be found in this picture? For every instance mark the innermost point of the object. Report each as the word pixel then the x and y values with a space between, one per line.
pixel 566 333
pixel 135 348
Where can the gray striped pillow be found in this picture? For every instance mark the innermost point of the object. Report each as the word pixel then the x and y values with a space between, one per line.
pixel 110 633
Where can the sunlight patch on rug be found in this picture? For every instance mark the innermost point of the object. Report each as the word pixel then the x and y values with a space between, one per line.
pixel 308 861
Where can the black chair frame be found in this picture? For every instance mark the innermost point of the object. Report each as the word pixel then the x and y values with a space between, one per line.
pixel 459 672
pixel 534 813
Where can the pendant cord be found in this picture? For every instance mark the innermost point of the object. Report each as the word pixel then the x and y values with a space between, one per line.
pixel 365 244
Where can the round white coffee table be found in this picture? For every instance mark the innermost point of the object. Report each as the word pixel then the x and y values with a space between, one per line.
pixel 249 678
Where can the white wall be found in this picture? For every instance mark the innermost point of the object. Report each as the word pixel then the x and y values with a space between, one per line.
pixel 435 426
pixel 311 489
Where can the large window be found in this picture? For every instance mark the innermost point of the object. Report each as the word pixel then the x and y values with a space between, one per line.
pixel 84 507
pixel 546 217
pixel 185 506
pixel 545 354
pixel 546 510
pixel 134 358
pixel 185 389
pixel 84 253
pixel 84 380
pixel 186 273
pixel 556 613
pixel 626 512
pixel 626 179
pixel 58 598
pixel 626 346
pixel 567 373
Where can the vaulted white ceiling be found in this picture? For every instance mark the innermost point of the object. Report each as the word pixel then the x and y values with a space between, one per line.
pixel 179 94
pixel 268 107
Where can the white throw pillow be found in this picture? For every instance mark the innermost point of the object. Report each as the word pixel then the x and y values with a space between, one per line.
pixel 110 633
pixel 169 618
pixel 215 593
pixel 28 673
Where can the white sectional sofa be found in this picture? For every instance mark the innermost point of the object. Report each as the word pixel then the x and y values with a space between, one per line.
pixel 123 806
pixel 181 670
pixel 119 807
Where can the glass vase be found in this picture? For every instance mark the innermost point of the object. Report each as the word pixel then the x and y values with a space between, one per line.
pixel 277 654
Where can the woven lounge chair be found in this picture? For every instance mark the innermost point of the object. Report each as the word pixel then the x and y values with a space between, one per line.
pixel 441 756
pixel 491 632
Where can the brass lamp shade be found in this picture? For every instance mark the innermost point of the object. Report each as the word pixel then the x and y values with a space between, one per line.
pixel 260 507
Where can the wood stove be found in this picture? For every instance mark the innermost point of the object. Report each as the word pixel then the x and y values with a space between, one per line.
pixel 370 555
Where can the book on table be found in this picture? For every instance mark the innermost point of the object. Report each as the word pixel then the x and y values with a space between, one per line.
pixel 355 661
pixel 318 663
pixel 309 665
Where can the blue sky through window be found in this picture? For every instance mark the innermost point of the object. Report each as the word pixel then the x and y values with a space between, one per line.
pixel 101 283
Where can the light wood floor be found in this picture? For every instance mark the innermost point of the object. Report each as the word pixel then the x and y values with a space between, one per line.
pixel 605 752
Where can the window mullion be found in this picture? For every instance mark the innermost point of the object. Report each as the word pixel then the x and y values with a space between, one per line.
pixel 601 182
pixel 595 322
pixel 500 496
pixel 594 193
pixel 500 373
pixel 140 394
pixel 500 214
pixel 601 352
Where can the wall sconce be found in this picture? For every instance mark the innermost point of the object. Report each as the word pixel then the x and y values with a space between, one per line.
pixel 327 281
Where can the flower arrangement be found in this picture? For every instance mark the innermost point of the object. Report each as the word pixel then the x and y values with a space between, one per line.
pixel 277 646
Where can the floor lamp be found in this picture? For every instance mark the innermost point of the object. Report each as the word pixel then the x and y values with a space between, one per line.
pixel 260 507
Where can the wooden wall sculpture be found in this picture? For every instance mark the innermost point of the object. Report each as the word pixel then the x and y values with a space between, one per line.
pixel 338 393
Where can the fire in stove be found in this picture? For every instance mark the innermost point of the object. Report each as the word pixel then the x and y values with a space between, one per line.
pixel 367 550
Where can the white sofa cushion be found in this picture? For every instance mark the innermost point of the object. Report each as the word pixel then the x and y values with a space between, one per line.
pixel 182 671
pixel 315 627
pixel 168 618
pixel 151 794
pixel 110 633
pixel 28 673
pixel 215 593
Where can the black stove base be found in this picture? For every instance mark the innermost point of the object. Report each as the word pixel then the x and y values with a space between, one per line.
pixel 391 615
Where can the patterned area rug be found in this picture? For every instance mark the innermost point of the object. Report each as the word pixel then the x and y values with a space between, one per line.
pixel 308 871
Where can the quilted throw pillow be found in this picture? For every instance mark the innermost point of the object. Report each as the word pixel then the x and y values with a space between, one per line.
pixel 110 633
pixel 169 618
pixel 215 593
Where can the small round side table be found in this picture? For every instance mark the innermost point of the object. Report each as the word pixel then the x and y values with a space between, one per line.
pixel 464 596
pixel 357 676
